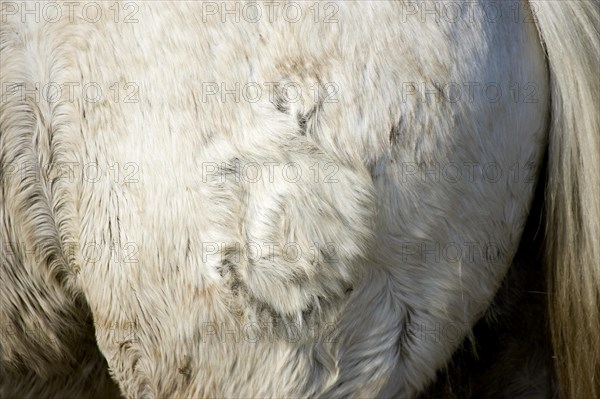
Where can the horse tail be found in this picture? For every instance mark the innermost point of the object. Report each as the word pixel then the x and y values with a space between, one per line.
pixel 570 33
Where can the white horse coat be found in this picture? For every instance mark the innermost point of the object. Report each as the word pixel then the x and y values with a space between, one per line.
pixel 316 199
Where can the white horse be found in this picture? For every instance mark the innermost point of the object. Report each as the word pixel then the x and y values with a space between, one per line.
pixel 287 199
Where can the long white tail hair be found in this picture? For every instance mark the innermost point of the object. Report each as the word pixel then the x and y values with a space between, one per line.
pixel 570 33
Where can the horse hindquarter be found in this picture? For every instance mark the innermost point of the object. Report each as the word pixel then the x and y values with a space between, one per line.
pixel 162 209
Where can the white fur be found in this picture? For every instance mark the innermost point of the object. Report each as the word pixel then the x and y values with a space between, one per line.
pixel 167 303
